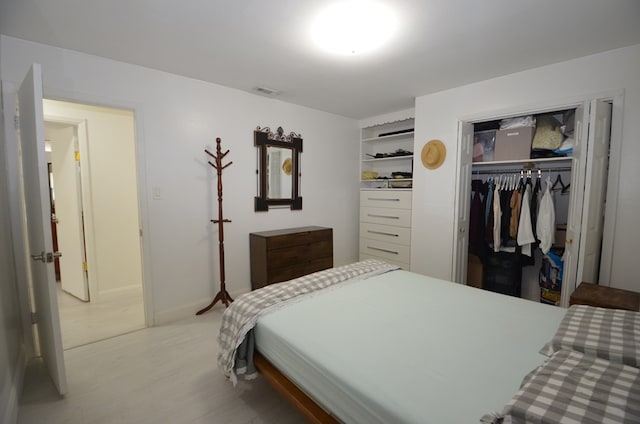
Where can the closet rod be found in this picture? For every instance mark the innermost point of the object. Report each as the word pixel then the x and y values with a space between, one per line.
pixel 517 171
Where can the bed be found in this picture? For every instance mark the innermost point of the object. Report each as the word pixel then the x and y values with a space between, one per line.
pixel 384 345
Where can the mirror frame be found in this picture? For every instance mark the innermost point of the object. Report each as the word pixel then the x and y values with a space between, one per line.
pixel 263 137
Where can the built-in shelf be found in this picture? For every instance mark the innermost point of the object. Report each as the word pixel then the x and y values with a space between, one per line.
pixel 373 143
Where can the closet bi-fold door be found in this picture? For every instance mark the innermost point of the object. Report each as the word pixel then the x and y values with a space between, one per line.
pixel 461 239
pixel 596 175
pixel 588 188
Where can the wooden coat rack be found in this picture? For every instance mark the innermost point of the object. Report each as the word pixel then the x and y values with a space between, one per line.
pixel 223 295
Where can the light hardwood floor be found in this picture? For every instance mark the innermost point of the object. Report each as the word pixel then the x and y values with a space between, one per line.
pixel 87 322
pixel 163 374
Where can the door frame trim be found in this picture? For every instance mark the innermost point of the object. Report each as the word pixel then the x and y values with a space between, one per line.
pixel 140 153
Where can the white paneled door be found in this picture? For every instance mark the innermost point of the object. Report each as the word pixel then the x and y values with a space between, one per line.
pixel 461 243
pixel 38 223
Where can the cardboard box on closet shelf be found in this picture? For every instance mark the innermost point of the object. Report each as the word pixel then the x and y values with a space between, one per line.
pixel 513 144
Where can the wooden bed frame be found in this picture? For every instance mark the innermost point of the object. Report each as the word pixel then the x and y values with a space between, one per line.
pixel 300 400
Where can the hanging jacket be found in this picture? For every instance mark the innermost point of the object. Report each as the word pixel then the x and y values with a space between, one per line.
pixel 525 230
pixel 497 215
pixel 546 222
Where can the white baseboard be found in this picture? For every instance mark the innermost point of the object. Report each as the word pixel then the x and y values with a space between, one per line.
pixel 181 312
pixel 11 389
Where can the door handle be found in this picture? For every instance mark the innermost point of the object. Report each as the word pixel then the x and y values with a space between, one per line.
pixel 41 257
pixel 46 257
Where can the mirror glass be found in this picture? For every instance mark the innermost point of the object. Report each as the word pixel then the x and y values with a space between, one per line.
pixel 278 169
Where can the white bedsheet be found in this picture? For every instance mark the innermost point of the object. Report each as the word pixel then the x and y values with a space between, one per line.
pixel 406 348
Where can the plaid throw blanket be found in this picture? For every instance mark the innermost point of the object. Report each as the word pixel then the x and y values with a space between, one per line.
pixel 235 339
pixel 575 388
pixel 606 333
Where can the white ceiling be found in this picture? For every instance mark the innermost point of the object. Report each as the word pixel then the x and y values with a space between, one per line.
pixel 249 43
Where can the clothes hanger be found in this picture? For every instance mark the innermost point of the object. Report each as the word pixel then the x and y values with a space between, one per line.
pixel 558 181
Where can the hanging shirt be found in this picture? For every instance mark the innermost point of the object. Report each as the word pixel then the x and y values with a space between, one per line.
pixel 516 202
pixel 525 230
pixel 497 215
pixel 534 204
pixel 546 222
pixel 488 201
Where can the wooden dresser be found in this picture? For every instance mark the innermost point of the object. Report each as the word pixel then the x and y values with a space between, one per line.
pixel 605 297
pixel 281 255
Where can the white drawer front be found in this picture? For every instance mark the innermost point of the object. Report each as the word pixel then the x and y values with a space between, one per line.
pixel 385 199
pixel 381 249
pixel 402 265
pixel 388 233
pixel 386 216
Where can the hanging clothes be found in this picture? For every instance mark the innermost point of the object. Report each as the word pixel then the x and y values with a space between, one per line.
pixel 525 230
pixel 488 200
pixel 535 197
pixel 505 220
pixel 476 215
pixel 516 203
pixel 488 225
pixel 497 217
pixel 546 222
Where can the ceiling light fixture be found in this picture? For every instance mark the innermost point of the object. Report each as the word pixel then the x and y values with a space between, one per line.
pixel 354 27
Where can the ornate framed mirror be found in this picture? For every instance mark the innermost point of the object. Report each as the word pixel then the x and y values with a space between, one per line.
pixel 278 169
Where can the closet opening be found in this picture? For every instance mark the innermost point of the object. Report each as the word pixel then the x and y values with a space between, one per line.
pixel 536 185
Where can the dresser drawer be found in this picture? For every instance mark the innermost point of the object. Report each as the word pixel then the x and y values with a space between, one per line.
pixel 402 265
pixel 384 250
pixel 386 216
pixel 296 270
pixel 302 253
pixel 298 239
pixel 388 233
pixel 385 199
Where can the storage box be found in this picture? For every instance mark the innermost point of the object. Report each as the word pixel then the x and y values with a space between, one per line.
pixel 484 145
pixel 474 271
pixel 560 236
pixel 513 144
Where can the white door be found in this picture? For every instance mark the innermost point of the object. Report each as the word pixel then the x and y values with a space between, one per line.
pixel 65 160
pixel 38 221
pixel 595 192
pixel 588 188
pixel 461 242
pixel 574 219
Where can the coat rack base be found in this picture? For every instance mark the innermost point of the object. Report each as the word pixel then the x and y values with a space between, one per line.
pixel 222 296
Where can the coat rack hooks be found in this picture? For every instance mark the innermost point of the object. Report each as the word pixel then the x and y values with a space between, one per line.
pixel 223 295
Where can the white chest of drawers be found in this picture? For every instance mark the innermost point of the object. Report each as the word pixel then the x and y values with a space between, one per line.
pixel 385 226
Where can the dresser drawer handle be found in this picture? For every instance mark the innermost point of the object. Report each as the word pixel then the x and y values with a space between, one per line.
pixel 383 234
pixel 383 216
pixel 382 250
pixel 383 199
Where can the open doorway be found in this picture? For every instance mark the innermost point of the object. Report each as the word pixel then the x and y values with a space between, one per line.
pixel 95 214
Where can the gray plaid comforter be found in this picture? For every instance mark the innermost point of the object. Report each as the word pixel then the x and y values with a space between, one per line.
pixel 235 340
pixel 605 333
pixel 572 387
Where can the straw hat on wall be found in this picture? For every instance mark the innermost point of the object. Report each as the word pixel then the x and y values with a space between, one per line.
pixel 433 154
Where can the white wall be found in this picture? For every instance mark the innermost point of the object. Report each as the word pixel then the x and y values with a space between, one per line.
pixel 437 116
pixel 176 119
pixel 111 197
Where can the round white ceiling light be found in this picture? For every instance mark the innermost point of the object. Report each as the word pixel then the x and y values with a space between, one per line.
pixel 354 27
